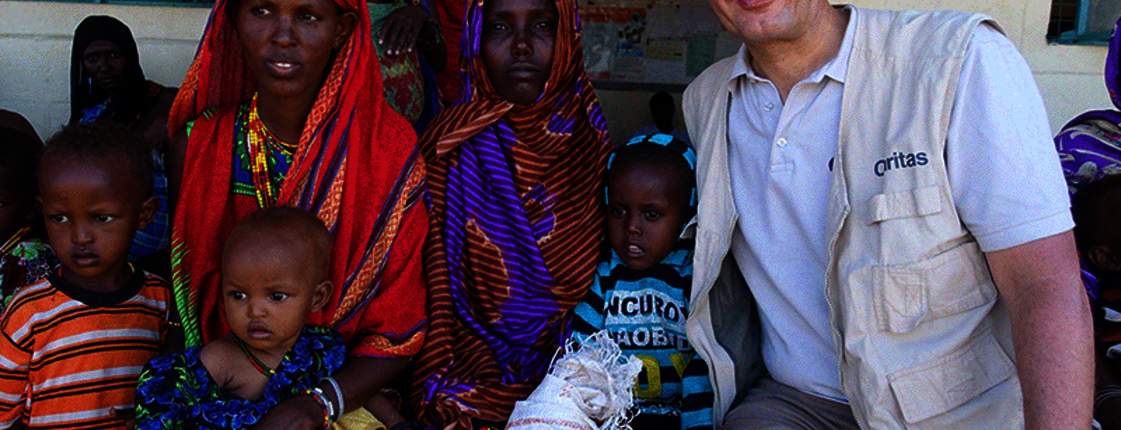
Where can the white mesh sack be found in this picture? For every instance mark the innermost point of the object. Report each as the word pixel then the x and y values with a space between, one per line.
pixel 591 383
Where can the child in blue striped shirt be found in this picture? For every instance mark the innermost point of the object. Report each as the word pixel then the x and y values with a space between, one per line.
pixel 641 289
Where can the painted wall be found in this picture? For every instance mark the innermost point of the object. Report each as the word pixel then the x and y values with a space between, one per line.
pixel 35 45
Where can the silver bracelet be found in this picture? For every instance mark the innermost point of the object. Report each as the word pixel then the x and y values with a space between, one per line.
pixel 338 395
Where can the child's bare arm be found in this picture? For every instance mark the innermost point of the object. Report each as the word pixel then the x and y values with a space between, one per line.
pixel 216 357
pixel 360 378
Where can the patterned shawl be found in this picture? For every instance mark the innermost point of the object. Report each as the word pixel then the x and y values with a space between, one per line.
pixel 1090 144
pixel 515 224
pixel 356 167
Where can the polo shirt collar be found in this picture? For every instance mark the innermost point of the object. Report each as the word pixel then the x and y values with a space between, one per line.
pixel 835 69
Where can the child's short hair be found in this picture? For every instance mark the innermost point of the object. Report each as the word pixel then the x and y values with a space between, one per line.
pixel 288 224
pixel 667 157
pixel 1088 206
pixel 98 140
pixel 19 160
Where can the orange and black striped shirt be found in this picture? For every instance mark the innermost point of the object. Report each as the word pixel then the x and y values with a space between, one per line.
pixel 69 356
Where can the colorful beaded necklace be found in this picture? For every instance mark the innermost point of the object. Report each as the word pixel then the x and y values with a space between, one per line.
pixel 259 142
pixel 257 363
pixel 14 240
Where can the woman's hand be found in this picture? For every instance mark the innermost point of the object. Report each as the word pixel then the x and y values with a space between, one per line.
pixel 401 28
pixel 297 413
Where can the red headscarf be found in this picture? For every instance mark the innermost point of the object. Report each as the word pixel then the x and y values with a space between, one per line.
pixel 356 167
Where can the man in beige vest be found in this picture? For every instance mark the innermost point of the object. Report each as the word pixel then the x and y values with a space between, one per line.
pixel 885 184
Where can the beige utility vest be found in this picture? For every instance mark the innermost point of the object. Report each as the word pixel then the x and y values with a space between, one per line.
pixel 923 340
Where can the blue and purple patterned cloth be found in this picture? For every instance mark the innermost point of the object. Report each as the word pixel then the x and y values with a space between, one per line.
pixel 1090 144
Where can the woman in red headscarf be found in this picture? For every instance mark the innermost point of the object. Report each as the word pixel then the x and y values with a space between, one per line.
pixel 277 109
pixel 516 223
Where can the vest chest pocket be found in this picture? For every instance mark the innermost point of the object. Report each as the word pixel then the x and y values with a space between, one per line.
pixel 949 283
pixel 905 204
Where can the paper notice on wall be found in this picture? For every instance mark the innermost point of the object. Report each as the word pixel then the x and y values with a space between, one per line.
pixel 666 49
pixel 614 42
pixel 657 41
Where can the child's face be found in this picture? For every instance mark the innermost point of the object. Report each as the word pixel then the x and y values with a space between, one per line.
pixel 16 206
pixel 644 219
pixel 517 47
pixel 92 213
pixel 268 289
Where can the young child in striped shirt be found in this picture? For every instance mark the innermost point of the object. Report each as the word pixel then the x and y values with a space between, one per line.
pixel 73 343
pixel 640 293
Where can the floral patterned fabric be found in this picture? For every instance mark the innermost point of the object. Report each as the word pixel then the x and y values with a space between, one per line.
pixel 177 392
pixel 28 260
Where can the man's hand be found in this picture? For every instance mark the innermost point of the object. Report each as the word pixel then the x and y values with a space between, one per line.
pixel 1051 330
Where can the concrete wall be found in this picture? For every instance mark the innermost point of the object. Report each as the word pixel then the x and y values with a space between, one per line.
pixel 35 45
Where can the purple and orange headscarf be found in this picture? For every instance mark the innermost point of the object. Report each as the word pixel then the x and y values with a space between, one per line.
pixel 1090 144
pixel 515 227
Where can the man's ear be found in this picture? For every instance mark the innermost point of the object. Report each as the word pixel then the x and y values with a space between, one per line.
pixel 1101 257
pixel 322 295
pixel 347 21
pixel 148 211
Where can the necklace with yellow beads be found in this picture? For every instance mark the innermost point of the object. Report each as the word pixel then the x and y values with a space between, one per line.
pixel 260 142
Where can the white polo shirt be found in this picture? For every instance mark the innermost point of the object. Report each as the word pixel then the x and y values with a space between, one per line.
pixel 1003 170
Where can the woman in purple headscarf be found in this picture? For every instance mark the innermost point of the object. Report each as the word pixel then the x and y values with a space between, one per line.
pixel 1090 144
pixel 1090 149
